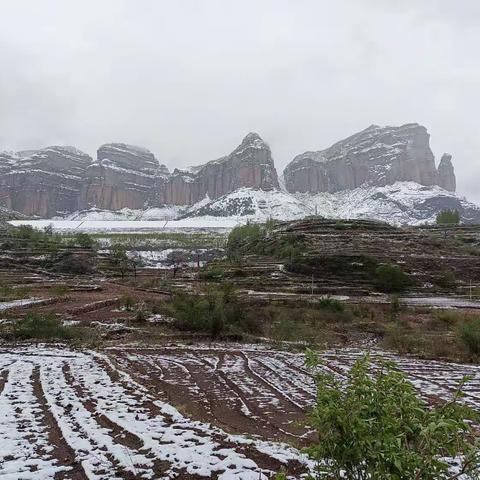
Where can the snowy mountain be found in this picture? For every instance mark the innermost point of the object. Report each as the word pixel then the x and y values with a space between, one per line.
pixel 376 156
pixel 399 204
pixel 386 173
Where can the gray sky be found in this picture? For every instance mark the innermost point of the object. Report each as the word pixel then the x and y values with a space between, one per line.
pixel 189 78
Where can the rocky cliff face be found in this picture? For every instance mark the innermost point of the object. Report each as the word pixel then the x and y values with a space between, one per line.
pixel 46 182
pixel 122 176
pixel 446 173
pixel 376 156
pixel 249 165
pixel 58 180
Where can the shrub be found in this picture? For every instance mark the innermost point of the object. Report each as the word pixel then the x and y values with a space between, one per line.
pixel 128 303
pixel 375 426
pixel 244 237
pixel 39 327
pixel 84 240
pixel 390 279
pixel 448 318
pixel 469 335
pixel 448 217
pixel 212 273
pixel 331 304
pixel 395 306
pixel 403 340
pixel 218 312
pixel 70 262
pixel 447 279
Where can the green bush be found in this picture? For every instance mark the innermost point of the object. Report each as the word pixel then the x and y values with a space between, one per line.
pixel 128 303
pixel 40 327
pixel 448 217
pixel 212 273
pixel 245 237
pixel 390 279
pixel 469 335
pixel 83 240
pixel 25 236
pixel 374 426
pixel 331 304
pixel 218 312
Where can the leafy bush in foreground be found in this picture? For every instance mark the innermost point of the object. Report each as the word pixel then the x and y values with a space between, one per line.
pixel 374 426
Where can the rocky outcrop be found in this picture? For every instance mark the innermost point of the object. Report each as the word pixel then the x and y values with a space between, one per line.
pixel 446 173
pixel 59 180
pixel 123 176
pixel 45 183
pixel 376 156
pixel 249 165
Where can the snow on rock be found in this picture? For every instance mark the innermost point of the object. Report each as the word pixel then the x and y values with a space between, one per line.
pixel 400 203
pixel 403 203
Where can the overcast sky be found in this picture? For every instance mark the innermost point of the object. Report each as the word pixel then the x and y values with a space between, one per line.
pixel 189 78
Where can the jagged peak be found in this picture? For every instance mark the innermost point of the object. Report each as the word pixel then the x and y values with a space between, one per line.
pixel 163 169
pixel 446 160
pixel 253 139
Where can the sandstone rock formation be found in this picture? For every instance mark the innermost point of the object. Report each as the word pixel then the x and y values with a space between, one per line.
pixel 122 176
pixel 446 173
pixel 376 156
pixel 46 182
pixel 249 165
pixel 58 180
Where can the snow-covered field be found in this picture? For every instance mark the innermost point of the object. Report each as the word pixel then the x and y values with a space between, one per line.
pixel 135 226
pixel 85 415
pixel 65 411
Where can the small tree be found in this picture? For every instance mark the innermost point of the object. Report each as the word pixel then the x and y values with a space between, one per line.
pixel 448 217
pixel 374 426
pixel 83 240
pixel 119 259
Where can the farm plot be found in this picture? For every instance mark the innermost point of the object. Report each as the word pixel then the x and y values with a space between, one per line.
pixel 71 415
pixel 258 391
pixel 187 412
